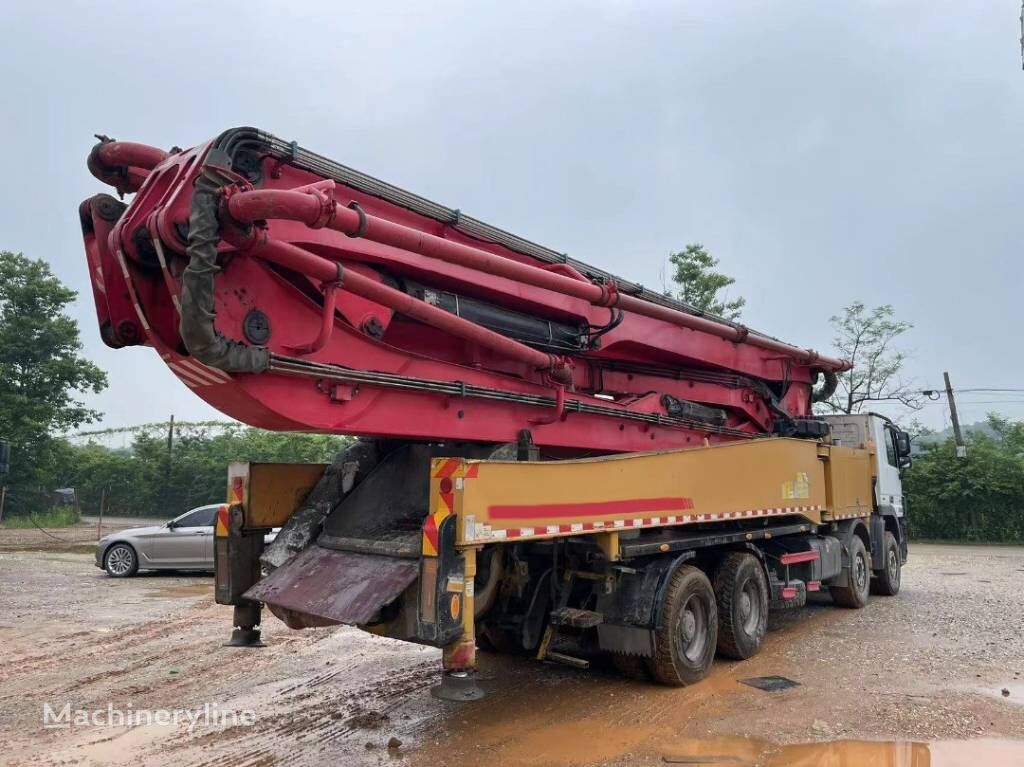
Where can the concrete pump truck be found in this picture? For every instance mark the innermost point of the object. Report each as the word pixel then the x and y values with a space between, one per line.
pixel 545 456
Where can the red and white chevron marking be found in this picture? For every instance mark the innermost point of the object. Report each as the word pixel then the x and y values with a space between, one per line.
pixel 195 374
pixel 485 532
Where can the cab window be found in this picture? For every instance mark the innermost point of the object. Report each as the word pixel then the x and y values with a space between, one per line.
pixel 890 448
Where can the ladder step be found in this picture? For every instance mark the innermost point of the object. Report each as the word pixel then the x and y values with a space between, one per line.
pixel 574 618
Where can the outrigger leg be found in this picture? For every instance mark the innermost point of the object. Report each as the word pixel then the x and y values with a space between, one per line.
pixel 458 659
pixel 247 626
pixel 237 568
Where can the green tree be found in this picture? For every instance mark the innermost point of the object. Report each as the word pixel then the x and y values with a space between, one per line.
pixel 866 339
pixel 41 372
pixel 699 283
pixel 977 498
pixel 145 481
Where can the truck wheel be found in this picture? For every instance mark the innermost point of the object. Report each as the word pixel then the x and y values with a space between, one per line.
pixel 856 593
pixel 684 644
pixel 887 580
pixel 741 591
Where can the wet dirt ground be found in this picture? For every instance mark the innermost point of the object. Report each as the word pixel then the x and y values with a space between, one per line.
pixel 927 668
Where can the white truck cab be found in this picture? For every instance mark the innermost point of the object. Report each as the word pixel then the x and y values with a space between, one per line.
pixel 891 446
pixel 892 453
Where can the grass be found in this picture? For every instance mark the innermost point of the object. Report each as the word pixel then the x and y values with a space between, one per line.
pixel 58 516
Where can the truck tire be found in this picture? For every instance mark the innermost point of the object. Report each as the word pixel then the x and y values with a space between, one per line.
pixel 855 595
pixel 741 591
pixel 685 642
pixel 887 580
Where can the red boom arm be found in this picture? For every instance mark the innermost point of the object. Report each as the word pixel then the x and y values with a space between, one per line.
pixel 294 293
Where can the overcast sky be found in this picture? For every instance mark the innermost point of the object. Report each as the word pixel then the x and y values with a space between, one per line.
pixel 825 152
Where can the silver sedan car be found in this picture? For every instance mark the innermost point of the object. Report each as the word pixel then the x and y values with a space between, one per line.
pixel 184 543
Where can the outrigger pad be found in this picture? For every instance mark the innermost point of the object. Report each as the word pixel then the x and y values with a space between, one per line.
pixel 459 686
pixel 343 586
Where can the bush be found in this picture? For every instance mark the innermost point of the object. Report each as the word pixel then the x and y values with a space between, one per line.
pixel 978 498
pixel 147 481
pixel 58 516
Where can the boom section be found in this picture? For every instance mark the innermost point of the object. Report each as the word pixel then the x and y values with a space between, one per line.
pixel 294 293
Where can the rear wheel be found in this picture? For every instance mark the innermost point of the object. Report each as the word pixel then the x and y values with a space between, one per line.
pixel 741 592
pixel 684 643
pixel 855 593
pixel 887 580
pixel 121 561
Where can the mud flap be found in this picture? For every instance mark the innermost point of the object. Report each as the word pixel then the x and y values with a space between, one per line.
pixel 342 586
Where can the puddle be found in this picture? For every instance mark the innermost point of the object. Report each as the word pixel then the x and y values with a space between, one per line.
pixel 741 752
pixel 176 592
pixel 595 744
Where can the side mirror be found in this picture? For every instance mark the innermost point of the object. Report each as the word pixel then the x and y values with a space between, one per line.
pixel 906 462
pixel 902 444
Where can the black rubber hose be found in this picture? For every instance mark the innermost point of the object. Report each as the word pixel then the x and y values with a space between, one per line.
pixel 828 386
pixel 197 283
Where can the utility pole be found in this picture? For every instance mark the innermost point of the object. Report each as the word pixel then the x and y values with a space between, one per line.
pixel 958 437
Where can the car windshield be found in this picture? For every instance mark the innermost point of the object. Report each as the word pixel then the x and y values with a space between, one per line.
pixel 202 517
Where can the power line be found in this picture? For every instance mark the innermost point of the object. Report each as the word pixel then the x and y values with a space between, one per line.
pixel 941 389
pixel 958 391
pixel 979 402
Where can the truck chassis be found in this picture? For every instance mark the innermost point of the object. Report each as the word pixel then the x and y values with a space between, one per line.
pixel 661 559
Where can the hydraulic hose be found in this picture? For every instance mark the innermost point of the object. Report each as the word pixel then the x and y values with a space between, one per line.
pixel 829 384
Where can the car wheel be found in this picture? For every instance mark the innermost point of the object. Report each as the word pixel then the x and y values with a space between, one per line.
pixel 121 561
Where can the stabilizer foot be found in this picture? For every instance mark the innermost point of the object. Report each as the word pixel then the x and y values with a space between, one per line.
pixel 241 637
pixel 457 686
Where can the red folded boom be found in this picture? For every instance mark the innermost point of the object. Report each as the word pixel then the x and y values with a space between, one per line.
pixel 294 293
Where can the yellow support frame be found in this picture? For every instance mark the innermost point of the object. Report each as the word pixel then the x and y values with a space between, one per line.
pixel 269 493
pixel 499 501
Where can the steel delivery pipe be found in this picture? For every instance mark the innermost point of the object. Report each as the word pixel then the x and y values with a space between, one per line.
pixel 123 164
pixel 314 205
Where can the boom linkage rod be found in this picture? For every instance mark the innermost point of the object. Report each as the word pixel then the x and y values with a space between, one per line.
pixel 299 367
pixel 332 273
